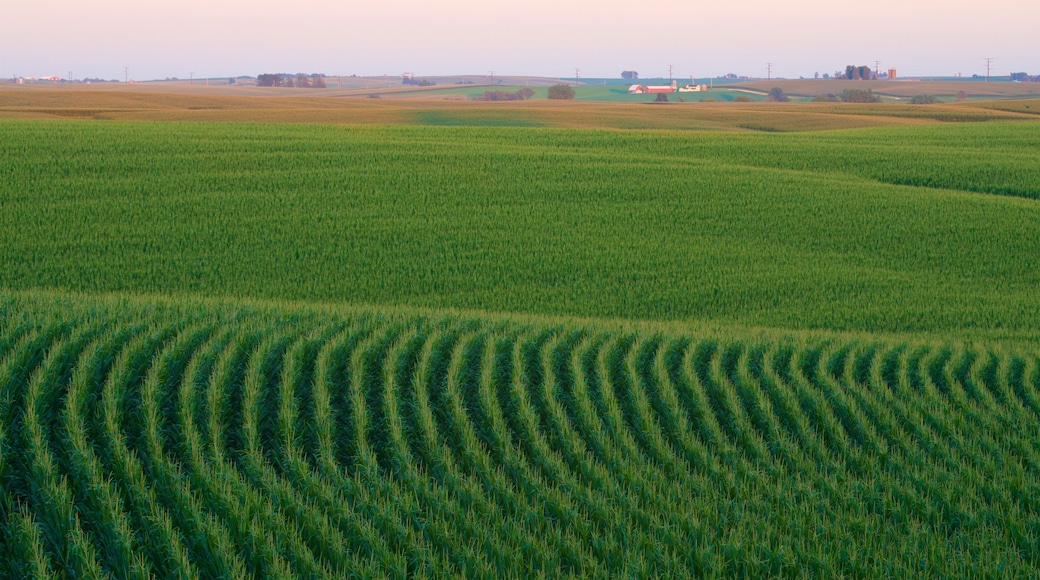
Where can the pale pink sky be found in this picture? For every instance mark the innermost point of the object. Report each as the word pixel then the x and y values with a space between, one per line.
pixel 160 38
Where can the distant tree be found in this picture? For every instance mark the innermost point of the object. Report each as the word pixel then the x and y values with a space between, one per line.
pixel 826 76
pixel 961 96
pixel 859 96
pixel 495 96
pixel 923 100
pixel 742 99
pixel 661 98
pixel 524 93
pixel 561 92
pixel 776 95
pixel 858 73
pixel 269 80
pixel 825 99
pixel 1020 77
pixel 300 80
pixel 629 74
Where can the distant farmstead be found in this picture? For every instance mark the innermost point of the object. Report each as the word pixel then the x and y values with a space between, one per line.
pixel 641 89
pixel 672 88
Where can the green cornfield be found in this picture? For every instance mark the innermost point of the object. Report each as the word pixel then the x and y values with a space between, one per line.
pixel 179 439
pixel 234 350
pixel 898 229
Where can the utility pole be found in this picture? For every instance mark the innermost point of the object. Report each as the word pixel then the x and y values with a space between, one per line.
pixel 576 81
pixel 769 71
pixel 191 78
pixel 669 74
pixel 70 76
pixel 126 74
pixel 491 75
pixel 989 61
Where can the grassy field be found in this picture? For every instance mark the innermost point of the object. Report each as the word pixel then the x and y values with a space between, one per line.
pixel 429 338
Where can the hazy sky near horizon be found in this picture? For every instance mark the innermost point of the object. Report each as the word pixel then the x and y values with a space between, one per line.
pixel 211 38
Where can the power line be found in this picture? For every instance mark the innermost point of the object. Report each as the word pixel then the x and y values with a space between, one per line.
pixel 769 71
pixel 669 73
pixel 989 61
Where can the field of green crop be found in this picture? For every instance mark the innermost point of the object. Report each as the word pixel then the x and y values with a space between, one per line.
pixel 482 347
pixel 916 228
pixel 175 438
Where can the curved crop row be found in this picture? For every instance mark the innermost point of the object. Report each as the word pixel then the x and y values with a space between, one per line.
pixel 181 441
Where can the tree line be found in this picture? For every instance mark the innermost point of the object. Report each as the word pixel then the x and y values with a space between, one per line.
pixel 520 95
pixel 299 81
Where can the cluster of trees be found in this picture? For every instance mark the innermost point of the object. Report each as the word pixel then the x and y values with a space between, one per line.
pixel 924 99
pixel 776 95
pixel 299 80
pixel 629 74
pixel 407 80
pixel 521 95
pixel 859 73
pixel 561 92
pixel 859 96
pixel 1024 77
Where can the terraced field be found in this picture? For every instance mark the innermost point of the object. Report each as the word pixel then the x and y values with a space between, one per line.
pixel 177 439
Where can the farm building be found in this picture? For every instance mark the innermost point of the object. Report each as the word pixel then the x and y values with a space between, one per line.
pixel 661 88
pixel 641 89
